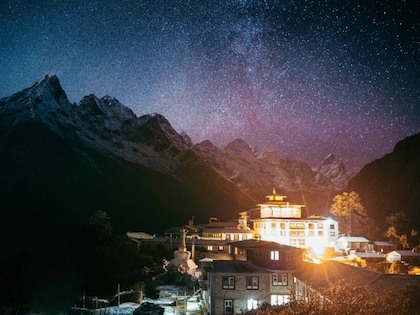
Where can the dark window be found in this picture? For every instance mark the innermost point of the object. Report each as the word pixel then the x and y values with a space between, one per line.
pixel 279 278
pixel 228 283
pixel 228 307
pixel 252 283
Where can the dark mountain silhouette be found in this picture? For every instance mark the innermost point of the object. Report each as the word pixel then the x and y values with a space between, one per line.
pixel 61 162
pixel 60 159
pixel 391 184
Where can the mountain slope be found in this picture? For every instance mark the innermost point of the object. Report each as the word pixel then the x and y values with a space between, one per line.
pixel 60 162
pixel 334 170
pixel 257 173
pixel 97 154
pixel 391 184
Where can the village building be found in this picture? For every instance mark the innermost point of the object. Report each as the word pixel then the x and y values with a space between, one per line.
pixel 226 231
pixel 349 244
pixel 383 246
pixel 236 286
pixel 259 272
pixel 279 221
pixel 407 257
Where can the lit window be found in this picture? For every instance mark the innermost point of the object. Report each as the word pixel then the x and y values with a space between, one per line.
pixel 332 233
pixel 279 278
pixel 282 225
pixel 210 248
pixel 280 299
pixel 221 248
pixel 311 233
pixel 228 283
pixel 275 255
pixel 252 304
pixel 320 226
pixel 311 226
pixel 320 233
pixel 252 283
pixel 299 225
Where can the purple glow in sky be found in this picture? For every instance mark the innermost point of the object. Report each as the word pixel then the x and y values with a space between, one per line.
pixel 302 78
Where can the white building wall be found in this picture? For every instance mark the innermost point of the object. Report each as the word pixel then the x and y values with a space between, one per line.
pixel 307 232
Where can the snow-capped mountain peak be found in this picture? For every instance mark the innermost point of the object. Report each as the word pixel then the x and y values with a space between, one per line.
pixel 103 124
pixel 240 148
pixel 335 170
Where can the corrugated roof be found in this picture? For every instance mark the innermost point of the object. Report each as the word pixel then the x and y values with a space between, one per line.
pixel 406 253
pixel 383 243
pixel 235 266
pixel 326 274
pixel 139 235
pixel 258 244
pixel 226 230
pixel 369 255
pixel 221 224
pixel 359 239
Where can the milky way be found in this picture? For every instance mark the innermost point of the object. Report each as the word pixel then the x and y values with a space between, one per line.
pixel 302 78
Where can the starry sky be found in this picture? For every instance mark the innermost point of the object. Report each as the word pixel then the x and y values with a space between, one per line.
pixel 301 78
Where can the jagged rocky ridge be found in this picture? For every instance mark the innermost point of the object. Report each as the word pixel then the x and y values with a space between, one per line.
pixel 60 162
pixel 257 173
pixel 98 153
pixel 254 171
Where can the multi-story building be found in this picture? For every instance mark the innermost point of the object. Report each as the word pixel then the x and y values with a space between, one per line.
pixel 236 286
pixel 279 221
pixel 259 272
pixel 225 231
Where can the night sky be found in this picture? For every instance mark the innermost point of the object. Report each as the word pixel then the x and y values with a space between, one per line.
pixel 302 78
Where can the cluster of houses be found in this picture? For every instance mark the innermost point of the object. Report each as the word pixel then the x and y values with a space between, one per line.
pixel 271 253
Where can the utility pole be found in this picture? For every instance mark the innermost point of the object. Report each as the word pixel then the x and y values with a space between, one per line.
pixel 118 293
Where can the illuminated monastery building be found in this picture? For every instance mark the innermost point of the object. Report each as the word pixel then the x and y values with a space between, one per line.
pixel 279 221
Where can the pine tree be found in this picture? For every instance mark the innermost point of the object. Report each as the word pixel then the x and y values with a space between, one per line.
pixel 348 206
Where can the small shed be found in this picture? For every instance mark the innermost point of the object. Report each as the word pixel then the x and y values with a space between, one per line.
pixel 409 257
pixel 347 243
pixel 383 246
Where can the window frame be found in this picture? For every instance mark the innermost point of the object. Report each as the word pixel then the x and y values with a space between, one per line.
pixel 252 304
pixel 278 278
pixel 285 298
pixel 252 283
pixel 274 255
pixel 226 311
pixel 226 283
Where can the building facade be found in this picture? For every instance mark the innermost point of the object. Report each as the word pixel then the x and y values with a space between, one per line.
pixel 236 286
pixel 279 221
pixel 259 272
